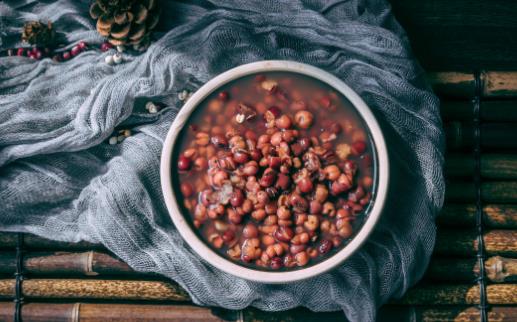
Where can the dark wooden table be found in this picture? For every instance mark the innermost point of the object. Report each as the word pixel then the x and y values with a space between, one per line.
pixel 473 47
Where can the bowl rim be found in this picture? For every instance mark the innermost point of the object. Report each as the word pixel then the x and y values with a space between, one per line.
pixel 272 277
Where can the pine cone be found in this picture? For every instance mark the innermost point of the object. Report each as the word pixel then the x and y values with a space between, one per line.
pixel 126 21
pixel 39 34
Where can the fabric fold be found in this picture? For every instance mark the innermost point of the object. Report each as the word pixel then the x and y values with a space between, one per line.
pixel 61 180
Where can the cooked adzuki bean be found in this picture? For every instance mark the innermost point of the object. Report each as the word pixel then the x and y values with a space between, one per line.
pixel 276 171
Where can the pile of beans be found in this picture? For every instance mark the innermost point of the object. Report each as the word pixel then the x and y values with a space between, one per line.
pixel 275 171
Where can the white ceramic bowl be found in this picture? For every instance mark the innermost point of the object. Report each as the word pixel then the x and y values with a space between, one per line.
pixel 199 246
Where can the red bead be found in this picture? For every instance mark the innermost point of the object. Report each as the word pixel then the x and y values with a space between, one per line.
pixel 105 46
pixel 20 52
pixel 82 45
pixel 37 54
pixel 66 55
pixel 75 51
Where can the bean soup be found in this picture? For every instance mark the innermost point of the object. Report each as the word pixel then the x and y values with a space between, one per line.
pixel 275 171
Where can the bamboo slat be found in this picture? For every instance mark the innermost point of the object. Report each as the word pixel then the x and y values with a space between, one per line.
pixel 95 312
pixel 452 83
pixel 493 83
pixel 490 111
pixel 497 294
pixel 464 215
pixel 444 314
pixel 497 269
pixel 463 243
pixel 85 264
pixel 74 289
pixel 492 135
pixel 491 192
pixel 492 166
pixel 95 289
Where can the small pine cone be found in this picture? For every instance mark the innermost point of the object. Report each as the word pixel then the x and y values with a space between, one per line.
pixel 126 22
pixel 39 34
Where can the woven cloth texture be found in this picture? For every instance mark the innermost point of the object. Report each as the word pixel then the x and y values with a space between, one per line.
pixel 61 180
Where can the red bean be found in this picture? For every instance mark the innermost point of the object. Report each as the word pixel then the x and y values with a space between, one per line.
pixel 274 162
pixel 219 141
pixel 305 185
pixel 335 128
pixel 298 203
pixel 228 236
pixel 283 122
pixel 275 110
pixel 251 168
pixel 271 208
pixel 276 263
pixel 250 231
pixel 283 234
pixel 186 189
pixel 268 178
pixel 256 155
pixel 237 198
pixel 358 147
pixel 240 157
pixel 223 96
pixel 325 246
pixel 305 143
pixel 295 249
pixel 282 182
pixel 315 207
pixel 303 119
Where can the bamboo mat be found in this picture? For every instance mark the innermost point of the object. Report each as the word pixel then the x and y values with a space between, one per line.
pixel 56 281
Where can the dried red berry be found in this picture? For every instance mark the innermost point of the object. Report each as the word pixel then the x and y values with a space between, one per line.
pixel 76 50
pixel 105 46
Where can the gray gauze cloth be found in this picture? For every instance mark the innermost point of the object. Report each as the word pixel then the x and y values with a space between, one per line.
pixel 61 180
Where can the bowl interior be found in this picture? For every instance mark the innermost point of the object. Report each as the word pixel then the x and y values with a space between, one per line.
pixel 170 182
